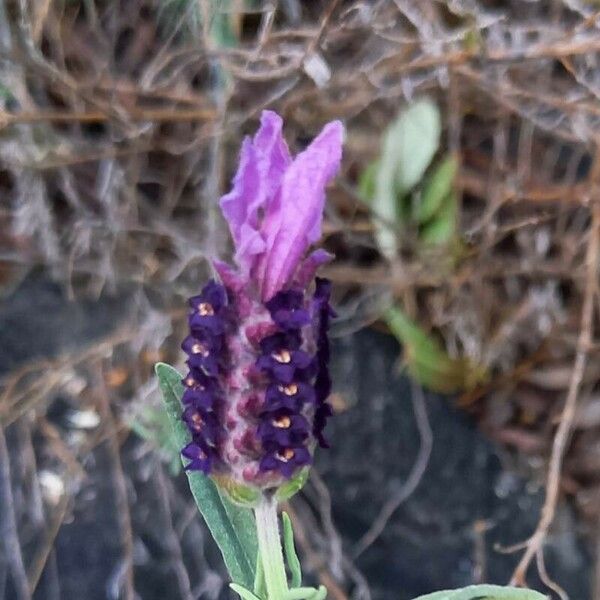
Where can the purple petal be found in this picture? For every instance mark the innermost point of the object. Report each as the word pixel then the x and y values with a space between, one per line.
pixel 294 220
pixel 263 162
pixel 245 192
pixel 308 267
pixel 229 277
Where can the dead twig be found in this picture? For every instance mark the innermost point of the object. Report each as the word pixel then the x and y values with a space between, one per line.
pixel 325 576
pixel 95 116
pixel 11 547
pixel 44 550
pixel 535 544
pixel 120 487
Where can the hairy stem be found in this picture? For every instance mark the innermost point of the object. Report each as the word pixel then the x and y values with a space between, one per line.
pixel 269 547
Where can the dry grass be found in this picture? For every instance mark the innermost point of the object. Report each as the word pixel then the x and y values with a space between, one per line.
pixel 118 128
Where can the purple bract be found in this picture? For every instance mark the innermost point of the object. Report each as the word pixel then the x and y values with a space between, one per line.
pixel 258 352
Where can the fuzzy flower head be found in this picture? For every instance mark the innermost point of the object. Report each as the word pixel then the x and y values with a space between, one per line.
pixel 256 392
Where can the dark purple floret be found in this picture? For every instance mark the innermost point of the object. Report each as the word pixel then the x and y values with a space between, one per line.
pixel 197 380
pixel 201 457
pixel 284 428
pixel 323 379
pixel 285 300
pixel 207 363
pixel 201 390
pixel 213 294
pixel 286 309
pixel 292 397
pixel 208 318
pixel 285 367
pixel 203 423
pixel 282 340
pixel 284 413
pixel 286 461
pixel 203 396
pixel 323 412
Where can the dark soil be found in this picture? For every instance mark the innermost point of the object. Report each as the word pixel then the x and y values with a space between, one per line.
pixel 431 541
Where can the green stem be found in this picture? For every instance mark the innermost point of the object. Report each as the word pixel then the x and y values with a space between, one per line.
pixel 269 547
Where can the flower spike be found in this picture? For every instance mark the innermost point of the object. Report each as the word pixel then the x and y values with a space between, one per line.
pixel 255 400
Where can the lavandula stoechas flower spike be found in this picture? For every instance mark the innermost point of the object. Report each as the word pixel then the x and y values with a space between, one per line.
pixel 256 392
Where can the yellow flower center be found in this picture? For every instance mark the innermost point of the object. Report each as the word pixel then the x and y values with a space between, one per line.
pixel 283 422
pixel 283 356
pixel 198 348
pixel 206 309
pixel 285 455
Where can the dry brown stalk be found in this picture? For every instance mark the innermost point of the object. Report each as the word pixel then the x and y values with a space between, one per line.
pixel 535 544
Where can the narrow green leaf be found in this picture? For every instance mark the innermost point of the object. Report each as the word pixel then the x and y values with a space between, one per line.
pixel 232 527
pixel 243 592
pixel 260 585
pixel 426 360
pixel 441 229
pixel 306 593
pixel 485 592
pixel 290 551
pixel 436 189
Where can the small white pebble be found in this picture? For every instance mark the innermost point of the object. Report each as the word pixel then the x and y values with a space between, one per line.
pixel 317 69
pixel 84 419
pixel 52 486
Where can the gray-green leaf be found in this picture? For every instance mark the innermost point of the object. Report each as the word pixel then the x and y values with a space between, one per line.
pixel 232 527
pixel 485 592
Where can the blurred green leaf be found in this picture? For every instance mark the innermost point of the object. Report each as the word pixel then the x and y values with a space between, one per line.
pixel 436 189
pixel 415 138
pixel 473 40
pixel 232 527
pixel 5 93
pixel 485 592
pixel 408 146
pixel 171 12
pixel 441 228
pixel 366 182
pixel 222 19
pixel 224 25
pixel 384 198
pixel 427 362
pixel 153 425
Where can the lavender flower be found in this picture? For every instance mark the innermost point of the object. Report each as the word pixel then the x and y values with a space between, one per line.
pixel 256 392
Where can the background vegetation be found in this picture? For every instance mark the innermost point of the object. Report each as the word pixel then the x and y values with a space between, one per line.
pixel 465 221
